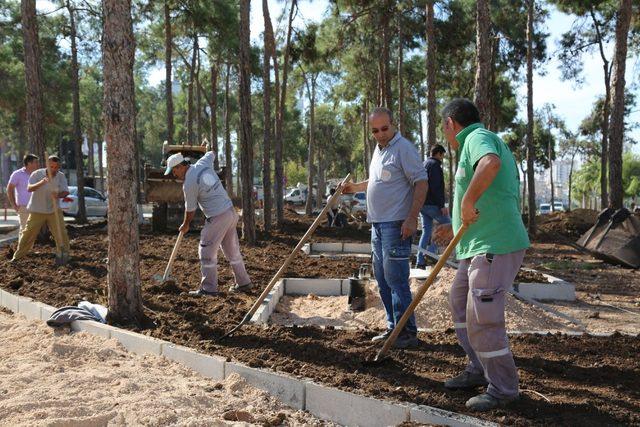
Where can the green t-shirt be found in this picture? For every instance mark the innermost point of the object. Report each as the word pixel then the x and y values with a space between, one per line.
pixel 499 228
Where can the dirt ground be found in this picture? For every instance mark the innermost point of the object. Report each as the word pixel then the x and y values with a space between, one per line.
pixel 589 380
pixel 54 378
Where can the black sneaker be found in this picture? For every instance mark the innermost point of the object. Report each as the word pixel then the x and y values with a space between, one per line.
pixel 239 288
pixel 201 293
pixel 382 337
pixel 406 340
pixel 466 380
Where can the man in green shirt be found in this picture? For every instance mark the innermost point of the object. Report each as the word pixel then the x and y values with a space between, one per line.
pixel 486 199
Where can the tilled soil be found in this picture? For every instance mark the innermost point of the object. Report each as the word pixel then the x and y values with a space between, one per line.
pixel 589 380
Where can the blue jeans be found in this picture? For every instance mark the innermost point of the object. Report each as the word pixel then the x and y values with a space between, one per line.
pixel 428 214
pixel 391 269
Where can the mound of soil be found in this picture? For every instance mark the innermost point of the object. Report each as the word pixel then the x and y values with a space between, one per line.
pixel 570 225
pixel 528 276
pixel 589 380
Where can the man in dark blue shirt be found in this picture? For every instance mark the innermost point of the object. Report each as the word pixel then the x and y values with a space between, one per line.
pixel 433 208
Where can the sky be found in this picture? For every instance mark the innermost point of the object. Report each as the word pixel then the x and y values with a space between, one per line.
pixel 571 103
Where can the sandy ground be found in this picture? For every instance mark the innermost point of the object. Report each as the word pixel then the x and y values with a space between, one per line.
pixel 56 378
pixel 433 312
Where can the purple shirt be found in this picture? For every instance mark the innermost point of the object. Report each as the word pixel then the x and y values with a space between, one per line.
pixel 20 179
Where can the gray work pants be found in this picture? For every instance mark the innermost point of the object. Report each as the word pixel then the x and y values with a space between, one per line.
pixel 476 300
pixel 220 231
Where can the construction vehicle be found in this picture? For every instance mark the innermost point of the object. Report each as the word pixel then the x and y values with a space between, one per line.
pixel 165 191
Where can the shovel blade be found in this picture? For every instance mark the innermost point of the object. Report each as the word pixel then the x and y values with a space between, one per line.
pixel 161 279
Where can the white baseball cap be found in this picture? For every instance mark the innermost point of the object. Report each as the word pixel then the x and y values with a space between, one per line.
pixel 172 161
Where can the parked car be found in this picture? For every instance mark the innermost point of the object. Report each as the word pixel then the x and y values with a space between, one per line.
pixel 94 201
pixel 296 196
pixel 544 209
pixel 558 207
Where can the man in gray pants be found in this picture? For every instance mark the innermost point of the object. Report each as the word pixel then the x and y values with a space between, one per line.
pixel 491 252
pixel 203 188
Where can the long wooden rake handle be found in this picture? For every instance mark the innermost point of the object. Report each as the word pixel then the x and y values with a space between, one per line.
pixel 423 289
pixel 172 258
pixel 282 269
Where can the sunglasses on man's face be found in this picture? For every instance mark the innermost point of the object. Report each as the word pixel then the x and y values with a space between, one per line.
pixel 382 129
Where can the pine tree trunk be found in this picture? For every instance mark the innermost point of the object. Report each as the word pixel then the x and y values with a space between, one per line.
pixel 431 79
pixel 386 74
pixel 571 180
pixel 531 184
pixel 401 124
pixel 192 77
pixel 312 131
pixel 604 122
pixel 246 138
pixel 81 217
pixel 616 196
pixel 100 163
pixel 321 185
pixel 91 156
pixel 279 167
pixel 483 59
pixel 228 155
pixel 421 126
pixel 266 103
pixel 168 40
pixel 550 155
pixel 32 74
pixel 213 118
pixel 118 47
pixel 365 139
pixel 198 109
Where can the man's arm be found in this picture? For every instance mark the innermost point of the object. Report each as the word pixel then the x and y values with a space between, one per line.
pixel 188 217
pixel 11 194
pixel 410 225
pixel 486 170
pixel 33 187
pixel 355 187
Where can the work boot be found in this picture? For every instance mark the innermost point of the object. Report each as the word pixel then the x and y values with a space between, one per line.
pixel 382 337
pixel 466 380
pixel 406 340
pixel 201 293
pixel 239 288
pixel 486 402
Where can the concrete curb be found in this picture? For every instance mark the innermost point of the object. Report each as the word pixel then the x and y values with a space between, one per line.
pixel 554 289
pixel 323 402
pixel 8 240
pixel 208 366
pixel 352 409
pixel 288 390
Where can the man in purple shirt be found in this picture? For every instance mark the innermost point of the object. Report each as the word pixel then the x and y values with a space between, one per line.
pixel 17 191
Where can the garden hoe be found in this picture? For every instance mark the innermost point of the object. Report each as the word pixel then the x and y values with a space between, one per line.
pixel 165 279
pixel 418 297
pixel 282 269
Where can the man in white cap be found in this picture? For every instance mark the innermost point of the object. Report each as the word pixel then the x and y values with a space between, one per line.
pixel 203 188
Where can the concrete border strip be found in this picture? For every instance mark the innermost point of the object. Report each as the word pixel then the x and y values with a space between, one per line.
pixel 29 308
pixel 429 415
pixel 208 366
pixel 351 409
pixel 288 390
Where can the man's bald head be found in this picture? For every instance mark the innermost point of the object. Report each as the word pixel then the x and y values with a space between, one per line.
pixel 379 111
